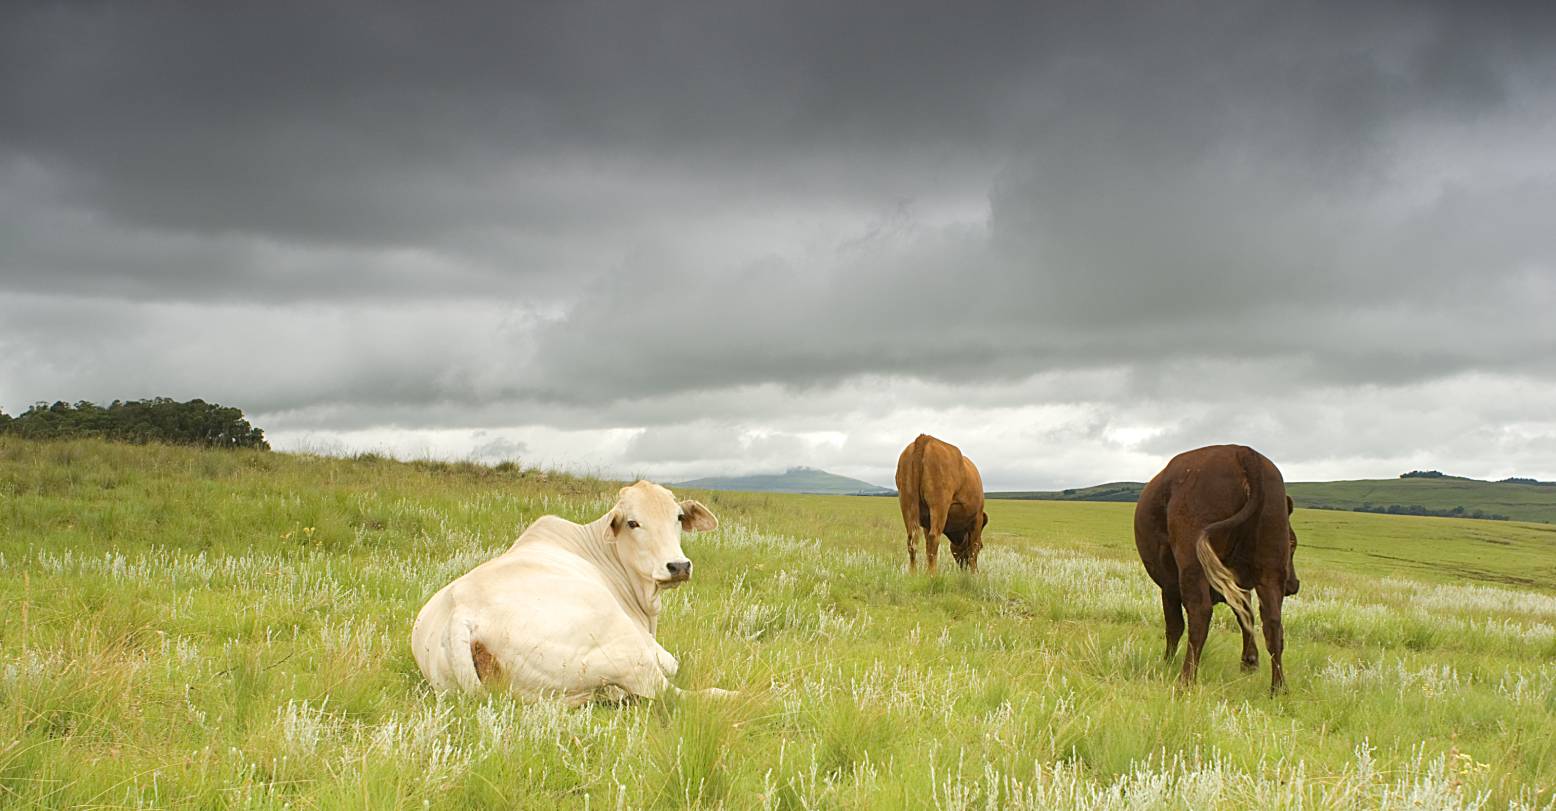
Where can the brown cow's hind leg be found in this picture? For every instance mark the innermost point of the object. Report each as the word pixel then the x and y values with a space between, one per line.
pixel 1195 593
pixel 937 518
pixel 974 545
pixel 910 519
pixel 1250 646
pixel 1172 612
pixel 1270 596
pixel 1199 630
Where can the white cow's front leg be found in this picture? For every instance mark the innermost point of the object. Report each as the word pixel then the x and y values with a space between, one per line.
pixel 667 661
pixel 669 666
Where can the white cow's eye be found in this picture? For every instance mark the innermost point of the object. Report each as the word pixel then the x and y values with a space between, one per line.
pixel 632 524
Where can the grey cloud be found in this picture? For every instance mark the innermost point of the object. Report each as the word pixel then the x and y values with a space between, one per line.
pixel 688 442
pixel 400 126
pixel 398 123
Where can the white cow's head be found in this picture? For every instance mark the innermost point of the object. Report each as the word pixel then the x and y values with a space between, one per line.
pixel 647 522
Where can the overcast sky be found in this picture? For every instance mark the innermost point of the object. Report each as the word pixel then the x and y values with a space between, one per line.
pixel 675 240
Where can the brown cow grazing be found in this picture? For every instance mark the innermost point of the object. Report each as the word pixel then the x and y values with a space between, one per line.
pixel 1212 525
pixel 940 491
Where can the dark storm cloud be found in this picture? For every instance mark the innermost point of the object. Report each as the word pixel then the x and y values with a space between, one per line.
pixel 576 213
pixel 403 123
pixel 1235 183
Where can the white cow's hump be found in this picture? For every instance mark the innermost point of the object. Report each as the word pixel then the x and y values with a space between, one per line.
pixel 531 573
pixel 549 529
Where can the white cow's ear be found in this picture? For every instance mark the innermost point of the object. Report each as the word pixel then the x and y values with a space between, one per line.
pixel 697 518
pixel 616 521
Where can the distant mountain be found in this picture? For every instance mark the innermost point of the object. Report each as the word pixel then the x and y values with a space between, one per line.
pixel 1415 493
pixel 793 480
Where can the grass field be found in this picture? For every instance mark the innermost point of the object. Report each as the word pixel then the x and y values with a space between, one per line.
pixel 198 629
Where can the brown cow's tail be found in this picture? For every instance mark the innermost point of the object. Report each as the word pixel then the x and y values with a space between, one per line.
pixel 1220 577
pixel 915 482
pixel 1222 580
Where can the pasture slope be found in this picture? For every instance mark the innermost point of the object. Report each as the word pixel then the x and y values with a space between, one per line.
pixel 206 629
pixel 1519 501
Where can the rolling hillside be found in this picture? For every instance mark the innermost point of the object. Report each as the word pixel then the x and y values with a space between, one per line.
pixel 807 480
pixel 1112 491
pixel 1518 501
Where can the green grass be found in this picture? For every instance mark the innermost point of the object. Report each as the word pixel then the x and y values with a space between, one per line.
pixel 203 629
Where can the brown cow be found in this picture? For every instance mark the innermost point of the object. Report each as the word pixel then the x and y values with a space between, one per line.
pixel 940 491
pixel 1212 525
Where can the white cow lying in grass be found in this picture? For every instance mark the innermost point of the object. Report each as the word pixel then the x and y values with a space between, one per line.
pixel 569 610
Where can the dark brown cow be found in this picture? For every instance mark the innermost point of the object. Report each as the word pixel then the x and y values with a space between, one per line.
pixel 1212 525
pixel 940 491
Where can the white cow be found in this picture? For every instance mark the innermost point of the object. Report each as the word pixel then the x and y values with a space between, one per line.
pixel 569 610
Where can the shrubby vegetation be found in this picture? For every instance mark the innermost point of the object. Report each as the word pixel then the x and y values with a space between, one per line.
pixel 1525 480
pixel 159 419
pixel 1422 474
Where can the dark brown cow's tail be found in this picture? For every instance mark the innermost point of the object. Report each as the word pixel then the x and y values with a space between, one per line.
pixel 1220 577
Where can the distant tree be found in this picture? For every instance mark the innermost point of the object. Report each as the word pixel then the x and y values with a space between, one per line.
pixel 160 419
pixel 1518 480
pixel 1422 474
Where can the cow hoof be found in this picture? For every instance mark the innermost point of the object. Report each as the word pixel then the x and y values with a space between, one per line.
pixel 1250 665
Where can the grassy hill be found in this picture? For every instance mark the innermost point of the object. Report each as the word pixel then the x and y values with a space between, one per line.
pixel 794 480
pixel 228 629
pixel 1518 501
pixel 1521 502
pixel 1112 491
